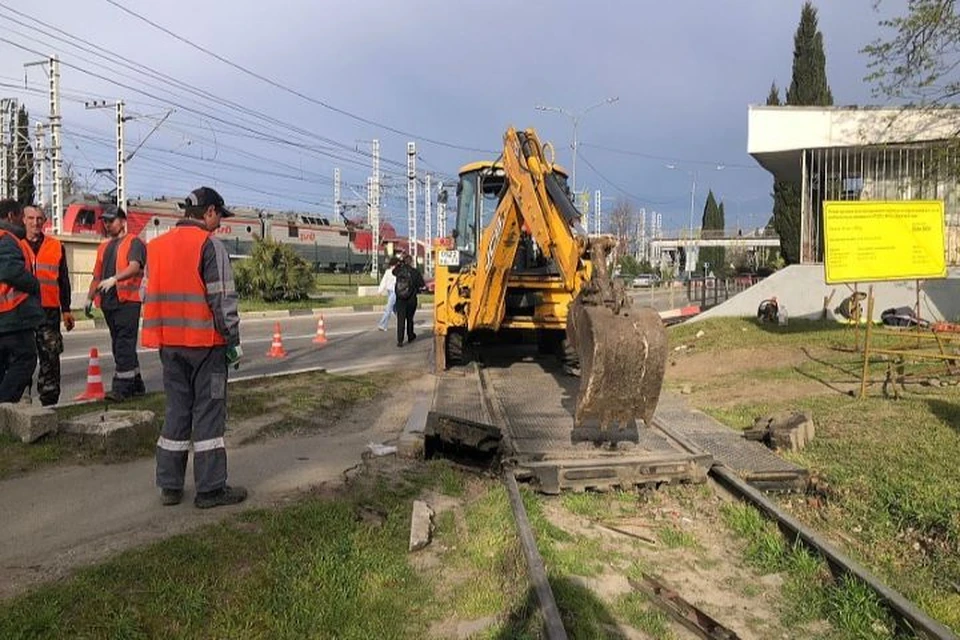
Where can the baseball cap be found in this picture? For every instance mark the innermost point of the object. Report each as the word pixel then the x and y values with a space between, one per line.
pixel 205 197
pixel 112 211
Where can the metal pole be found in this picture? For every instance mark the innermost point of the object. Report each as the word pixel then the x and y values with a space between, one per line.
pixel 4 148
pixel 56 208
pixel 573 174
pixel 427 224
pixel 375 248
pixel 121 163
pixel 39 162
pixel 15 142
pixel 412 199
pixel 336 194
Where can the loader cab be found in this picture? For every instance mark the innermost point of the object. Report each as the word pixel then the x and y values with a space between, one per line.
pixel 480 188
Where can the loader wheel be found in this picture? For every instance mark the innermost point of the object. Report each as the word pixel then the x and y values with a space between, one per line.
pixel 455 349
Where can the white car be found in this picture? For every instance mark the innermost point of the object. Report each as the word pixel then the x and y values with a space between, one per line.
pixel 644 280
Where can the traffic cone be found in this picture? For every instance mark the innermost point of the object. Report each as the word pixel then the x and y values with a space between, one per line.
pixel 276 347
pixel 321 337
pixel 94 380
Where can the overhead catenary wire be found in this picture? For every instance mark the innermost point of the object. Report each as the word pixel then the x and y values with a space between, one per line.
pixel 292 91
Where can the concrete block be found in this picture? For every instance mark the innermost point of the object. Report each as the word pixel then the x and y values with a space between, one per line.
pixel 421 525
pixel 112 429
pixel 410 443
pixel 27 422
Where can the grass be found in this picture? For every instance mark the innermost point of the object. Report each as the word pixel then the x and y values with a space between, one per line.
pixel 310 570
pixel 312 402
pixel 851 606
pixel 889 466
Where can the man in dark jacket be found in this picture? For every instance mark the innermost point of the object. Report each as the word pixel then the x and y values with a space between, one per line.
pixel 20 311
pixel 409 283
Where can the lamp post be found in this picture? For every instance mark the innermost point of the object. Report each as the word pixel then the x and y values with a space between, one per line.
pixel 575 118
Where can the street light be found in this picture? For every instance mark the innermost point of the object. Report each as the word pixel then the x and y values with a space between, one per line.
pixel 575 117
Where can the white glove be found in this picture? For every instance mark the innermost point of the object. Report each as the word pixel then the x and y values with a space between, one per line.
pixel 106 285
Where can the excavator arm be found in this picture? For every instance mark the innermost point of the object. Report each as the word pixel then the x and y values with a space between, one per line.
pixel 534 198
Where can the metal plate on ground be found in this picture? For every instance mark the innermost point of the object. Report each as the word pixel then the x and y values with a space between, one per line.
pixel 533 400
pixel 752 461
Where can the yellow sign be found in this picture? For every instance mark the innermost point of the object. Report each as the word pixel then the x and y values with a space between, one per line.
pixel 871 241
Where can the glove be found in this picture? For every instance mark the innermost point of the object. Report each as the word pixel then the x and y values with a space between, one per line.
pixel 68 321
pixel 233 356
pixel 106 285
pixel 88 309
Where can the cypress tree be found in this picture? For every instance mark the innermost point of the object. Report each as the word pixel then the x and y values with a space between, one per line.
pixel 24 151
pixel 808 86
pixel 712 226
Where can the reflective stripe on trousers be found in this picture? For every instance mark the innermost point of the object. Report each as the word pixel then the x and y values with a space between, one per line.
pixel 195 384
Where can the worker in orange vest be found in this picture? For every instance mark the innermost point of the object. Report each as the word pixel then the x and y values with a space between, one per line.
pixel 50 266
pixel 116 284
pixel 190 314
pixel 20 312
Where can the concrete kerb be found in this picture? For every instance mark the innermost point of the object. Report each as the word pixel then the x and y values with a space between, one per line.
pixel 90 325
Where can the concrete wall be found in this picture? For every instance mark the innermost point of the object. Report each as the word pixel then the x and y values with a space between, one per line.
pixel 801 289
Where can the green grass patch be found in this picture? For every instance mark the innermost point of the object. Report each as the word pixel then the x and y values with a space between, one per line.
pixel 314 570
pixel 636 609
pixel 850 605
pixel 673 537
pixel 310 402
pixel 722 334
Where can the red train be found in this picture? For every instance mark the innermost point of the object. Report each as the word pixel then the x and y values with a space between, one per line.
pixel 327 244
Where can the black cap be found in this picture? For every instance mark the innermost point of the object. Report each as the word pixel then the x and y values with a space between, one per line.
pixel 112 211
pixel 206 197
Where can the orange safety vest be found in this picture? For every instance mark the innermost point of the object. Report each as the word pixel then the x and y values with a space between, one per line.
pixel 129 289
pixel 11 298
pixel 46 264
pixel 175 311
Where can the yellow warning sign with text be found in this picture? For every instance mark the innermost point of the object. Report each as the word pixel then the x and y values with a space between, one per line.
pixel 871 241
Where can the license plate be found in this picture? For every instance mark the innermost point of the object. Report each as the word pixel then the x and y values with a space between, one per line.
pixel 448 258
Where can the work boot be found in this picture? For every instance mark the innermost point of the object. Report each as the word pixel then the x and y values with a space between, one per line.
pixel 226 496
pixel 139 389
pixel 170 497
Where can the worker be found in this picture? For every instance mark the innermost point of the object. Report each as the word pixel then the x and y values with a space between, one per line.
pixel 407 285
pixel 190 314
pixel 20 312
pixel 50 266
pixel 116 283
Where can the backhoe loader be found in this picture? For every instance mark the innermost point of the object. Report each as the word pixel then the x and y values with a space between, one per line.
pixel 518 259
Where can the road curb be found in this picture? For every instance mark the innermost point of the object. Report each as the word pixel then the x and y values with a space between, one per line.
pixel 91 325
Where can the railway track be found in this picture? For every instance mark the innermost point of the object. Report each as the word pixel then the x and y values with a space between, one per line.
pixel 907 615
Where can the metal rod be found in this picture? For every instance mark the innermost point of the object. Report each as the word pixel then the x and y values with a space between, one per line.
pixel 903 608
pixel 535 568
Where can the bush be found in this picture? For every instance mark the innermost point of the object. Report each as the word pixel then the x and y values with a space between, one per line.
pixel 273 272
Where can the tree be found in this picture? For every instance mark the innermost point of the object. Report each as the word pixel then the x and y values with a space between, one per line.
pixel 808 86
pixel 273 272
pixel 622 225
pixel 712 225
pixel 919 63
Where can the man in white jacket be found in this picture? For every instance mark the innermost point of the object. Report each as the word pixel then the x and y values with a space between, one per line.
pixel 388 288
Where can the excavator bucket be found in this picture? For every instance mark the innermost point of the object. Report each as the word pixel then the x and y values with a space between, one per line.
pixel 622 356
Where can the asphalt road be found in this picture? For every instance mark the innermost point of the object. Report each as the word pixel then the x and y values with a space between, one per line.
pixel 353 344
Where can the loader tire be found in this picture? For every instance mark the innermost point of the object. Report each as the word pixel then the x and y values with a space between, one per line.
pixel 455 346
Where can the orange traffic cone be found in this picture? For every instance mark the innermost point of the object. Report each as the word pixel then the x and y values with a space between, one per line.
pixel 276 347
pixel 94 380
pixel 321 337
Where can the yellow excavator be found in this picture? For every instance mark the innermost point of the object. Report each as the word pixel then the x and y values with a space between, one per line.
pixel 519 260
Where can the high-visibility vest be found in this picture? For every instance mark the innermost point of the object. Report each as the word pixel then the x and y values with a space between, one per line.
pixel 128 290
pixel 175 309
pixel 11 298
pixel 46 265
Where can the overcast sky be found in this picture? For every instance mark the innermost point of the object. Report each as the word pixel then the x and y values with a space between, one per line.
pixel 449 75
